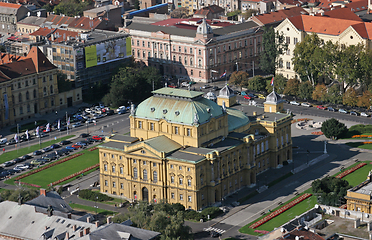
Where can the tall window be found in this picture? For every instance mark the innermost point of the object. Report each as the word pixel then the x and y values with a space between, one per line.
pixel 144 174
pixel 20 97
pixel 121 170
pixel 189 182
pixel 139 124
pixel 155 176
pixel 172 179
pixel 135 173
pixel 27 95
pixel 113 169
pixel 181 181
pixel 51 88
pixel 176 130
pixel 152 126
pixel 105 167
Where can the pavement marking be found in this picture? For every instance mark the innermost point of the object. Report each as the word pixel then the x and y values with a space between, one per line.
pixel 220 231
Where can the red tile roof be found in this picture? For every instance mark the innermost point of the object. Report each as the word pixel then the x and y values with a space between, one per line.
pixel 34 62
pixel 341 13
pixel 85 23
pixel 58 19
pixel 278 16
pixel 60 34
pixel 212 9
pixel 10 5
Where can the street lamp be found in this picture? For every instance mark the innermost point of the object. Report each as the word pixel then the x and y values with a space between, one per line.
pixel 95 205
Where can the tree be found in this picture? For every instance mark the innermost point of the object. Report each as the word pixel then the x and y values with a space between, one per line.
pixel 238 78
pixel 320 93
pixel 234 14
pixel 280 83
pixel 365 99
pixel 25 193
pixel 48 7
pixel 137 5
pixel 63 84
pixel 333 129
pixel 249 13
pixel 304 60
pixel 274 45
pixel 334 94
pixel 132 84
pixel 71 8
pixel 168 219
pixel 331 190
pixel 257 83
pixel 305 90
pixel 350 97
pixel 180 12
pixel 292 87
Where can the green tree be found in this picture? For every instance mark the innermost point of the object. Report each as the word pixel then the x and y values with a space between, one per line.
pixel 71 8
pixel 48 7
pixel 160 217
pixel 331 190
pixel 350 97
pixel 247 14
pixel 132 84
pixel 257 83
pixel 180 12
pixel 137 5
pixel 305 90
pixel 26 194
pixel 274 45
pixel 304 60
pixel 320 93
pixel 334 94
pixel 238 78
pixel 234 14
pixel 280 83
pixel 333 129
pixel 292 87
pixel 63 84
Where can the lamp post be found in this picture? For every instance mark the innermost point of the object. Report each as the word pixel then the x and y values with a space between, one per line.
pixel 86 124
pixel 95 205
pixel 307 157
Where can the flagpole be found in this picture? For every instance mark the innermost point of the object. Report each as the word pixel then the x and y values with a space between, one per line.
pixel 226 76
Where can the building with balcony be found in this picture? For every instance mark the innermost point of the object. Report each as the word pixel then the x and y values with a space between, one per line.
pixel 187 149
pixel 185 50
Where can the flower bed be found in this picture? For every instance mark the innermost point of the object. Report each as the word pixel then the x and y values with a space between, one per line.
pixel 92 149
pixel 367 142
pixel 301 119
pixel 261 231
pixel 343 206
pixel 28 184
pixel 280 210
pixel 48 166
pixel 347 172
pixel 73 175
pixel 317 133
pixel 361 136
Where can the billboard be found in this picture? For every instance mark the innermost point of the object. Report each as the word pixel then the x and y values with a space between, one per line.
pixel 90 56
pixel 129 46
pixel 110 51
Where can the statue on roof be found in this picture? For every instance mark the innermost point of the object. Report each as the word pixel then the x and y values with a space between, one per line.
pixel 132 109
pixel 196 118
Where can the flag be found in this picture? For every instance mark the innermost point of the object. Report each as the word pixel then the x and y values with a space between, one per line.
pixel 48 127
pixel 37 130
pixel 16 138
pixel 272 82
pixel 27 134
pixel 59 124
pixel 68 121
pixel 224 74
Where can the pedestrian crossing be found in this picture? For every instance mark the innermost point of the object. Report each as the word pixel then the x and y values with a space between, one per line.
pixel 220 231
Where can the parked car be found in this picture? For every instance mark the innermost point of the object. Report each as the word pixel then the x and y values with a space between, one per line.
pixel 353 113
pixel 91 140
pixel 54 146
pixel 86 142
pixel 77 124
pixel 363 114
pixel 243 93
pixel 17 169
pixel 294 103
pixel 11 141
pixel 7 164
pixel 81 143
pixel 215 88
pixel 64 142
pixel 252 95
pixel 17 160
pixel 26 157
pixel 63 151
pixel 77 146
pixel 3 141
pixel 342 110
pixel 192 82
pixel 321 107
pixel 247 97
pixel 37 152
pixel 70 148
pixel 47 149
pixel 261 96
pixel 206 86
pixel 41 135
pixel 305 104
pixel 331 109
pixel 84 135
pixel 98 138
pixel 23 166
pixel 38 161
pixel 184 84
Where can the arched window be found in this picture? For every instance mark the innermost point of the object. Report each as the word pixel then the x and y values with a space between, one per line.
pixel 135 173
pixel 34 93
pixel 185 60
pixel 28 108
pixel 144 174
pixel 200 62
pixel 155 176
pixel 180 59
pixel 20 97
pixel 21 110
pixel 27 96
pixel 191 61
pixel 45 91
pixel 51 88
pixel 174 58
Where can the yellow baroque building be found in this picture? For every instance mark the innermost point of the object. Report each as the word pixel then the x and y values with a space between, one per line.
pixel 185 148
pixel 359 197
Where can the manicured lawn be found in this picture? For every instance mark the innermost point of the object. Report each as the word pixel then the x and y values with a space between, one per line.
pixel 282 218
pixel 89 209
pixel 10 155
pixel 28 126
pixel 360 145
pixel 359 175
pixel 113 202
pixel 43 178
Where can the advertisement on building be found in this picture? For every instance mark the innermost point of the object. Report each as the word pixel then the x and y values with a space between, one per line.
pixel 105 52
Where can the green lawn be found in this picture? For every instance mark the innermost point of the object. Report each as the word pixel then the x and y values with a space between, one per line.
pixel 10 155
pixel 113 202
pixel 43 178
pixel 282 218
pixel 89 209
pixel 360 145
pixel 359 175
pixel 28 126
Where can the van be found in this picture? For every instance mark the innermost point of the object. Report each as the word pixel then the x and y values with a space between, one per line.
pixel 3 141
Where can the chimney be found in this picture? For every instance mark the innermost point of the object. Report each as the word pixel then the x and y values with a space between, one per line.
pixel 97 224
pixel 74 228
pixel 81 233
pixel 89 220
pixel 69 215
pixel 86 231
pixel 42 191
pixel 108 220
pixel 67 236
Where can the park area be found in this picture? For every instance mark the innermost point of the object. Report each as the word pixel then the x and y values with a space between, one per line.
pixel 65 170
pixel 358 173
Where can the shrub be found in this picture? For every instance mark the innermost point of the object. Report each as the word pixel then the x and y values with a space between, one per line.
pixel 211 211
pixel 90 195
pixel 193 215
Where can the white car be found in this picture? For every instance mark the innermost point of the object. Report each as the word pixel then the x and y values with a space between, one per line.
pixel 184 84
pixel 294 103
pixel 342 110
pixel 363 114
pixel 305 104
pixel 88 110
pixel 120 108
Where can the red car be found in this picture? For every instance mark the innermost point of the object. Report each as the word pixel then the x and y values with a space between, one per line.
pixel 247 97
pixel 172 86
pixel 321 107
pixel 97 138
pixel 76 146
